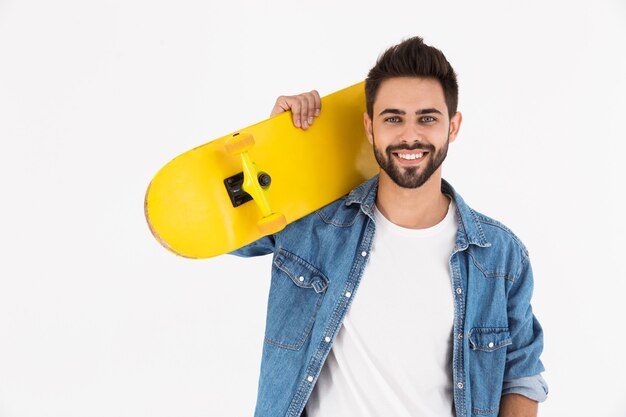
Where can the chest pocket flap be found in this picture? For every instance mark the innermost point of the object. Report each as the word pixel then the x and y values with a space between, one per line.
pixel 488 339
pixel 301 272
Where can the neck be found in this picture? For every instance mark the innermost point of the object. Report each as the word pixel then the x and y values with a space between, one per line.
pixel 413 208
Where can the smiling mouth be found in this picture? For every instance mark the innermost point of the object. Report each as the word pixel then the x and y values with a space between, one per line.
pixel 410 156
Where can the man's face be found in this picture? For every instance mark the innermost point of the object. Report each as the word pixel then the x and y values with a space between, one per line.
pixel 410 129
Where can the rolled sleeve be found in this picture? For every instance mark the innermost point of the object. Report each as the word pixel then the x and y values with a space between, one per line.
pixel 533 387
pixel 523 355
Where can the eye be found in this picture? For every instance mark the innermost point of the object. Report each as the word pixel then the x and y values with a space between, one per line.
pixel 392 119
pixel 427 119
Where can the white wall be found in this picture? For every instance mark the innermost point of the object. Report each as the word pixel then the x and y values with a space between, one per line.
pixel 96 319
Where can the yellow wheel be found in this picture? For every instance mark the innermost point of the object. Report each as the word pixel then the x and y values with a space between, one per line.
pixel 272 224
pixel 238 143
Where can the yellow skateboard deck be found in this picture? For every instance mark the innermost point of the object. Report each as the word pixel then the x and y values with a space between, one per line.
pixel 236 189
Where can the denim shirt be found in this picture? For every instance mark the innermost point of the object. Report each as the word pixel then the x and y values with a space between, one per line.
pixel 318 262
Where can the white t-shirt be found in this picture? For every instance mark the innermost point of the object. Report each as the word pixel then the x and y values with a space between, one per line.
pixel 393 355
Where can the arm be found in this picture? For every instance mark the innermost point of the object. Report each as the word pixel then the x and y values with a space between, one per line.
pixel 515 405
pixel 523 385
pixel 263 246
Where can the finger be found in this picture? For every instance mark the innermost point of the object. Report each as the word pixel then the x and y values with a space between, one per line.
pixel 296 110
pixel 318 102
pixel 280 106
pixel 310 100
pixel 304 111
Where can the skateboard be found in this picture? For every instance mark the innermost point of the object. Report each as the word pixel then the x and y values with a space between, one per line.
pixel 251 183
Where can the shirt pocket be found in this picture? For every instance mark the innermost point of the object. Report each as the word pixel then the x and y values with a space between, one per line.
pixel 487 359
pixel 296 294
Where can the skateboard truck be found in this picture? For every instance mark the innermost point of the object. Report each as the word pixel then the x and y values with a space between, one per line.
pixel 251 184
pixel 234 186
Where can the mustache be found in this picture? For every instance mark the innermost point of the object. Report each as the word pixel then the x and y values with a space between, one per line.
pixel 412 147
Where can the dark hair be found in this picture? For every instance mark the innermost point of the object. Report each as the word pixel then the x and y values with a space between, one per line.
pixel 412 58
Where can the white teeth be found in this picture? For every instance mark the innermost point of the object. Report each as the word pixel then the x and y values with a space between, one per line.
pixel 410 156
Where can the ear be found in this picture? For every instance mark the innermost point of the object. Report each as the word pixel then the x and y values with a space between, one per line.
pixel 455 125
pixel 367 122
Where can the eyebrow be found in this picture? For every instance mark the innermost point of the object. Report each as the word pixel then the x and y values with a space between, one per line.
pixel 402 112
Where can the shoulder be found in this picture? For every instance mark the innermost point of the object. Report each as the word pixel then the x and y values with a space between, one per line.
pixel 483 231
pixel 345 211
pixel 498 234
pixel 338 214
pixel 504 254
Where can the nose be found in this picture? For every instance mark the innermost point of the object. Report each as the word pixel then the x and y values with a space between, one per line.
pixel 411 134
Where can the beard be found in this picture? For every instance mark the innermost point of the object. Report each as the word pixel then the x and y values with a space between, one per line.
pixel 410 177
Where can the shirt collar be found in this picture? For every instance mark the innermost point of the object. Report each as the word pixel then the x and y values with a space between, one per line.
pixel 470 231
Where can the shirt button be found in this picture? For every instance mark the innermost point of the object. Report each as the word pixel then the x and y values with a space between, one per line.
pixel 459 291
pixel 327 339
pixel 310 378
pixel 364 254
pixel 460 335
pixel 348 294
pixel 301 279
pixel 460 385
pixel 490 344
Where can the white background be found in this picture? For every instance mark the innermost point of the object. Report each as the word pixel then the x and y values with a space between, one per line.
pixel 96 319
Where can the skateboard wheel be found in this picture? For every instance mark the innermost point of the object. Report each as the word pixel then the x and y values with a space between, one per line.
pixel 238 143
pixel 272 224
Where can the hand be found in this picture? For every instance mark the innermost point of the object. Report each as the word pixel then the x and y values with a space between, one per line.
pixel 304 108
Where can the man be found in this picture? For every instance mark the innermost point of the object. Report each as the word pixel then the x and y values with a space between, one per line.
pixel 399 299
